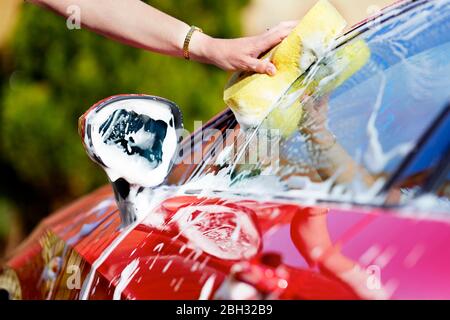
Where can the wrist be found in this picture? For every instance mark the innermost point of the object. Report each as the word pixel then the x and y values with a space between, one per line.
pixel 200 47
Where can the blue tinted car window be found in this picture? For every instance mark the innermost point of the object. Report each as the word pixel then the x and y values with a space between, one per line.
pixel 373 119
pixel 376 116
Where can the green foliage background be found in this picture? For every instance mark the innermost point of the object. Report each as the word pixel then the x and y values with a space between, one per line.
pixel 50 75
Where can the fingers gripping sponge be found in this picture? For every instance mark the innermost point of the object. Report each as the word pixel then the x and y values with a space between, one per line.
pixel 252 96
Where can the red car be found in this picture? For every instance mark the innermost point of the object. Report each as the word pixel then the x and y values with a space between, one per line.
pixel 354 203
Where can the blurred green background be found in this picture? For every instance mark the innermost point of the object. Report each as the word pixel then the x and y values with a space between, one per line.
pixel 50 75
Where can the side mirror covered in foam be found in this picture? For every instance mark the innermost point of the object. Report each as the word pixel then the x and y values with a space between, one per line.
pixel 135 139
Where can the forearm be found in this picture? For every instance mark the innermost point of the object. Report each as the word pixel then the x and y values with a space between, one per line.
pixel 131 22
pixel 137 24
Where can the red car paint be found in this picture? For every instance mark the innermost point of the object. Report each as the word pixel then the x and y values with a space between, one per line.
pixel 404 249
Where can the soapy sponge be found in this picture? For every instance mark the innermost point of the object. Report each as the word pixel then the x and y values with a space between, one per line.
pixel 252 96
pixel 327 75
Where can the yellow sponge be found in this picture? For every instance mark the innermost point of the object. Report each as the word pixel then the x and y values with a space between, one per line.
pixel 252 96
pixel 327 75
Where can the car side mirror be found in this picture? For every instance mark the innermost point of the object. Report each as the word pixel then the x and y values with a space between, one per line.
pixel 135 139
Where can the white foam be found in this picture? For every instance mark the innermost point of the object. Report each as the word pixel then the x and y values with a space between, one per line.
pixel 134 168
pixel 207 288
pixel 126 276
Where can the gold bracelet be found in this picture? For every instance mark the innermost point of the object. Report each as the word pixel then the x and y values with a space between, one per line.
pixel 187 40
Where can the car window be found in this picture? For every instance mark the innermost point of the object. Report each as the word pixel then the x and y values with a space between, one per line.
pixel 443 189
pixel 425 171
pixel 351 140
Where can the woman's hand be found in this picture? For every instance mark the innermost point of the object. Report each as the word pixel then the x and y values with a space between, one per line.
pixel 241 53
